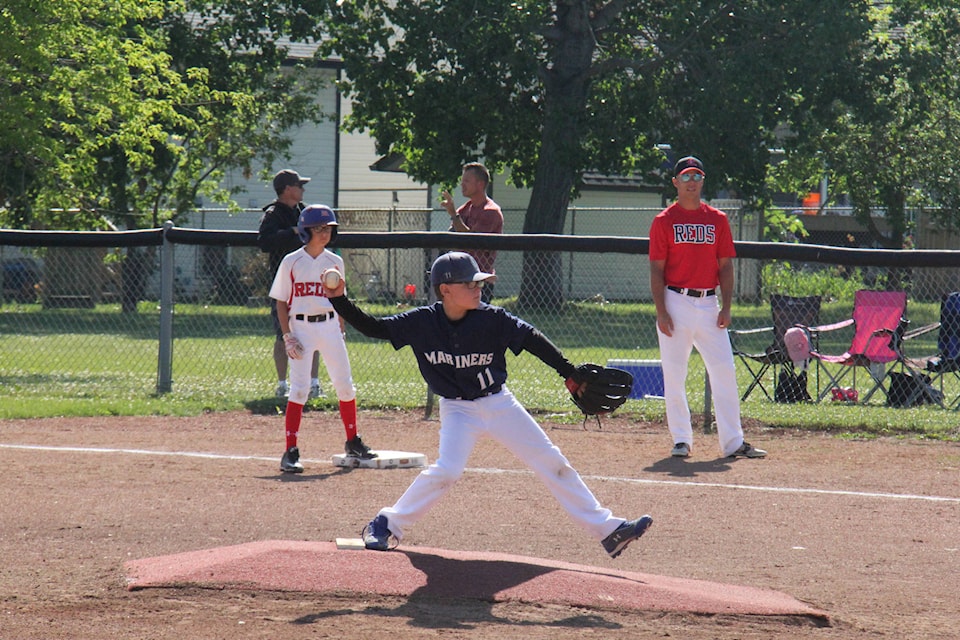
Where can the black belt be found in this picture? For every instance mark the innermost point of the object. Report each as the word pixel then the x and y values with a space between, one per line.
pixel 696 293
pixel 323 317
pixel 488 392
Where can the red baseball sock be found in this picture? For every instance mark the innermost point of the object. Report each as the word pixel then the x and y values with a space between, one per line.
pixel 292 422
pixel 348 413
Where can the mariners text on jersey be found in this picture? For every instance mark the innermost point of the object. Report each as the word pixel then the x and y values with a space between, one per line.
pixel 461 361
pixel 694 233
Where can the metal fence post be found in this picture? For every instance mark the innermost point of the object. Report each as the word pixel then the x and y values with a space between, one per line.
pixel 165 351
pixel 707 401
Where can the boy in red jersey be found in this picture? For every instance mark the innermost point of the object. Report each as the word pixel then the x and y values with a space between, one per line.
pixel 691 254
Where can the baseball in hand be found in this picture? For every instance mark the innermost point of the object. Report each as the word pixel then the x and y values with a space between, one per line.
pixel 331 278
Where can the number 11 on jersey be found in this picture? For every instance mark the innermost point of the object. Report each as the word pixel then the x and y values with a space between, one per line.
pixel 485 378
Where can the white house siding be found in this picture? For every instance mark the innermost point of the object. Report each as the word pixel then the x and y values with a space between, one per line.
pixel 363 188
pixel 313 154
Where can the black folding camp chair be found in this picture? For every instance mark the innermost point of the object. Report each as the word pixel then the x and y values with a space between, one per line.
pixel 787 312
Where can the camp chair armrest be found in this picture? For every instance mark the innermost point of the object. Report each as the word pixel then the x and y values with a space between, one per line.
pixel 919 331
pixel 829 327
pixel 745 332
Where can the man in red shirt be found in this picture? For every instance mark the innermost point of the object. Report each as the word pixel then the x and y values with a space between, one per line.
pixel 691 254
pixel 480 214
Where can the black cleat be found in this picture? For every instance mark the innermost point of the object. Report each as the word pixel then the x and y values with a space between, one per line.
pixel 356 449
pixel 290 462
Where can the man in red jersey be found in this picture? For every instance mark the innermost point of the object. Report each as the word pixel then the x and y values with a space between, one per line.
pixel 691 254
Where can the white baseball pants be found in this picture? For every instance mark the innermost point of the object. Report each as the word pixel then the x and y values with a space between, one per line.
pixel 695 325
pixel 502 417
pixel 326 338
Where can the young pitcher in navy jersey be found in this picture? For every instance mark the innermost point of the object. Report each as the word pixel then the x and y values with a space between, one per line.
pixel 460 345
pixel 309 324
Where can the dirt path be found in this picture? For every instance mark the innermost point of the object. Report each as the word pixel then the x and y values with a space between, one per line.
pixel 868 531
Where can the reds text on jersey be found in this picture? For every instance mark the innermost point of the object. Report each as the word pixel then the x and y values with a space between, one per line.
pixel 691 242
pixel 299 283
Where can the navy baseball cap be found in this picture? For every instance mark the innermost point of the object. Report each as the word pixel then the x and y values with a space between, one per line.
pixel 687 164
pixel 456 266
pixel 288 178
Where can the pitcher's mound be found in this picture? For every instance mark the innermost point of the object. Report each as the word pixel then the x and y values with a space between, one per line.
pixel 422 572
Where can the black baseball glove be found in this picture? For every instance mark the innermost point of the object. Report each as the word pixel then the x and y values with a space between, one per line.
pixel 596 389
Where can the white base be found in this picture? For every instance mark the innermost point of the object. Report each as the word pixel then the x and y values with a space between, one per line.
pixel 350 544
pixel 384 460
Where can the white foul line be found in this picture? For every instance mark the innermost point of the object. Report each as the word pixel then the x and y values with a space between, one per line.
pixel 719 485
pixel 142 452
pixel 681 483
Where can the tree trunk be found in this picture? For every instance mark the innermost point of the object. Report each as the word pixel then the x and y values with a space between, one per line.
pixel 566 86
pixel 133 279
pixel 541 284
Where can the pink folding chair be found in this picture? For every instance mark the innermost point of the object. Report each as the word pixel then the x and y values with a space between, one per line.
pixel 877 318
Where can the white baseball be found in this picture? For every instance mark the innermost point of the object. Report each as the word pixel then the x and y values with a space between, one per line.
pixel 331 278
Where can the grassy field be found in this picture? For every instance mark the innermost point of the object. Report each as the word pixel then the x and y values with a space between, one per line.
pixel 102 362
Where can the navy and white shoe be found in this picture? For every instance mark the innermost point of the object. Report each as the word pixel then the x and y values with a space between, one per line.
pixel 376 535
pixel 680 450
pixel 290 462
pixel 747 450
pixel 626 533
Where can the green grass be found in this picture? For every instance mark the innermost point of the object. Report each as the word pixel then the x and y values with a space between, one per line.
pixel 101 362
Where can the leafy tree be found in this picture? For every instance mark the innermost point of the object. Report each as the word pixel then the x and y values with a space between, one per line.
pixel 67 72
pixel 893 140
pixel 246 97
pixel 547 91
pixel 123 111
pixel 126 110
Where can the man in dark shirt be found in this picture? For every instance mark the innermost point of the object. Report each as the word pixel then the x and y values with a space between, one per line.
pixel 278 236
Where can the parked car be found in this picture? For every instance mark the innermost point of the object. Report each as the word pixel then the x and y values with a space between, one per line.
pixel 20 279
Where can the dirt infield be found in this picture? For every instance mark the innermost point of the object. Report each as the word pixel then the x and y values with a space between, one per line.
pixel 866 531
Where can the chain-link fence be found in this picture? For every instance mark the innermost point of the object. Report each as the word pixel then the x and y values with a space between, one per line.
pixel 84 314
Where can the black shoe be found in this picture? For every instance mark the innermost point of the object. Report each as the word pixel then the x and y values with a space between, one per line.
pixel 290 462
pixel 356 449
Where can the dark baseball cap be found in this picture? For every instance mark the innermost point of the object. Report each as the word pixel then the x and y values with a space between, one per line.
pixel 688 164
pixel 288 178
pixel 457 266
